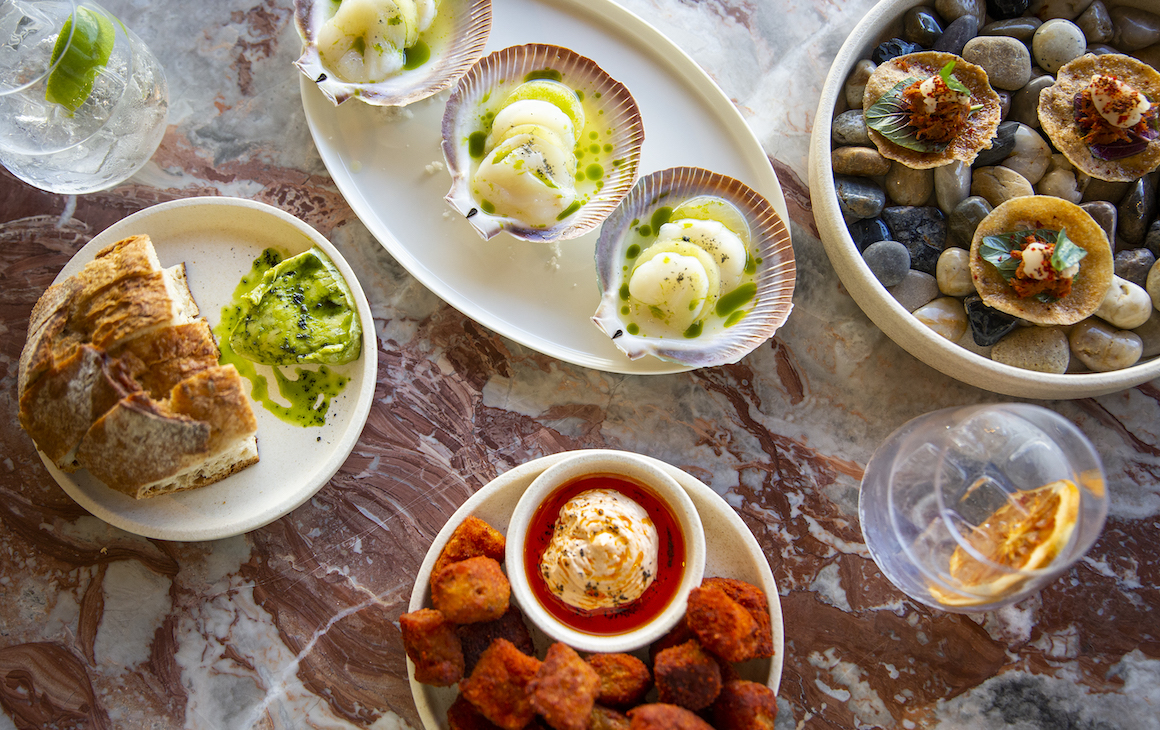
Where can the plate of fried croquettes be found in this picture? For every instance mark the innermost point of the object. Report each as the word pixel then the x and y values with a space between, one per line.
pixel 476 663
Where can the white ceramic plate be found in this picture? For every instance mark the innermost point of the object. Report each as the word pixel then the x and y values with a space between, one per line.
pixel 882 22
pixel 731 552
pixel 537 294
pixel 218 239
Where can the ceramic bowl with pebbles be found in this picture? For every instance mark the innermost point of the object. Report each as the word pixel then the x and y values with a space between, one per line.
pixel 900 235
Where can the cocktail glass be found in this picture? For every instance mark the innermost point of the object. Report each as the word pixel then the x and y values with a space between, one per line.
pixel 969 509
pixel 82 99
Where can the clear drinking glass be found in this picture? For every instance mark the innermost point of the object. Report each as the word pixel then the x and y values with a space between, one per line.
pixel 114 128
pixel 969 509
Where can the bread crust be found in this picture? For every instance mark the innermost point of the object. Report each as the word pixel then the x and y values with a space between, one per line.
pixel 118 377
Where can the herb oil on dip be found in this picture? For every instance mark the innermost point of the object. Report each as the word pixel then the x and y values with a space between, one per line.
pixel 611 526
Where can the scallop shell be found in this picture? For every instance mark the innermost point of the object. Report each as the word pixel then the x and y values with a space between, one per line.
pixel 608 106
pixel 456 38
pixel 769 244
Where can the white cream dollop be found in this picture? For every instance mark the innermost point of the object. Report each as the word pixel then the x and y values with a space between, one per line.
pixel 934 90
pixel 603 551
pixel 1037 263
pixel 1117 102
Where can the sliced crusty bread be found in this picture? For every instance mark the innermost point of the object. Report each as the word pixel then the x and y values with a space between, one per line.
pixel 119 376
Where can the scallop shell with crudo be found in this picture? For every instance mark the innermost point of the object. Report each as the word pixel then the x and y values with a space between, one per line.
pixel 455 40
pixel 769 249
pixel 1057 114
pixel 1044 211
pixel 608 148
pixel 980 127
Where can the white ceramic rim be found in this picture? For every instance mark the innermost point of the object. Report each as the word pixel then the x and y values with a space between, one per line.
pixel 429 699
pixel 272 488
pixel 369 204
pixel 615 463
pixel 878 304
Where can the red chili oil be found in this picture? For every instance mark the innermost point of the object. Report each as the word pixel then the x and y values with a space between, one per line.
pixel 629 616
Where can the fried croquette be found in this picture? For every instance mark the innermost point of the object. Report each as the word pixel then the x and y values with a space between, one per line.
pixel 604 718
pixel 471 539
pixel 745 705
pixel 564 690
pixel 679 634
pixel 462 715
pixel 475 638
pixel 722 625
pixel 624 679
pixel 753 600
pixel 661 716
pixel 688 676
pixel 498 686
pixel 431 643
pixel 471 591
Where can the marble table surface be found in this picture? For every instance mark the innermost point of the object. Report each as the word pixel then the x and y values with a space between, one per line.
pixel 294 624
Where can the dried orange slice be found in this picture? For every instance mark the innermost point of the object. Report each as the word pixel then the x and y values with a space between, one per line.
pixel 1025 534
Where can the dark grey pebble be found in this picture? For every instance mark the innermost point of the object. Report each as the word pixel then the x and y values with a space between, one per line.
pixel 1019 28
pixel 1007 8
pixel 1152 240
pixel 922 26
pixel 859 198
pixel 924 258
pixel 1025 102
pixel 1137 210
pixel 1103 213
pixel 1134 265
pixel 988 325
pixel 893 48
pixel 888 260
pixel 1001 146
pixel 868 231
pixel 965 218
pixel 849 128
pixel 915 225
pixel 957 34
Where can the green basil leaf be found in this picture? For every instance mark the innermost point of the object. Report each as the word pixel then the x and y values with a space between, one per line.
pixel 996 250
pixel 890 117
pixel 1066 253
pixel 953 83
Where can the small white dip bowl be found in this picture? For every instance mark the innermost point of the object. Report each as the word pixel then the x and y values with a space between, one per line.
pixel 626 466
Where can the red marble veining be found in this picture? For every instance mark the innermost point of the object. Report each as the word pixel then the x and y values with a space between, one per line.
pixel 44 684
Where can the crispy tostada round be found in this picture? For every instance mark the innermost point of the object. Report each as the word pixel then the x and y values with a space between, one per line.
pixel 891 119
pixel 1041 217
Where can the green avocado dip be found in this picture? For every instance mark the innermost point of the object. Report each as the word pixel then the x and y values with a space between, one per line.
pixel 289 312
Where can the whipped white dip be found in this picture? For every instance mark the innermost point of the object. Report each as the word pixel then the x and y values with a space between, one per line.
pixel 603 551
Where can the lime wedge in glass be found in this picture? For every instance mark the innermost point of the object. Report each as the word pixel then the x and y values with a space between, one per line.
pixel 71 81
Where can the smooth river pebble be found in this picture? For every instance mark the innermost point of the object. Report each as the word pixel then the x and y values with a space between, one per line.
pixel 1134 265
pixel 1048 9
pixel 1031 156
pixel 988 325
pixel 1135 28
pixel 1149 334
pixel 1042 349
pixel 1006 60
pixel 867 231
pixel 907 186
pixel 1104 214
pixel 888 261
pixel 1104 348
pixel 1057 42
pixel 1136 211
pixel 953 9
pixel 1096 23
pixel 920 25
pixel 1025 101
pixel 945 316
pixel 858 197
pixel 1126 305
pixel 914 225
pixel 1006 8
pixel 965 218
pixel 953 272
pixel 1060 183
pixel 1019 28
pixel 955 37
pixel 952 185
pixel 1002 145
pixel 916 289
pixel 856 83
pixel 859 161
pixel 1153 285
pixel 849 128
pixel 999 184
pixel 1152 240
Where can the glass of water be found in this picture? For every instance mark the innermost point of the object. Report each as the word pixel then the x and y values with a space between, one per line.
pixel 969 509
pixel 82 100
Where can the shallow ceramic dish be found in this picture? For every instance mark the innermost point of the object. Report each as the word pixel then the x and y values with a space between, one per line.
pixel 885 21
pixel 389 168
pixel 635 468
pixel 731 552
pixel 218 239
